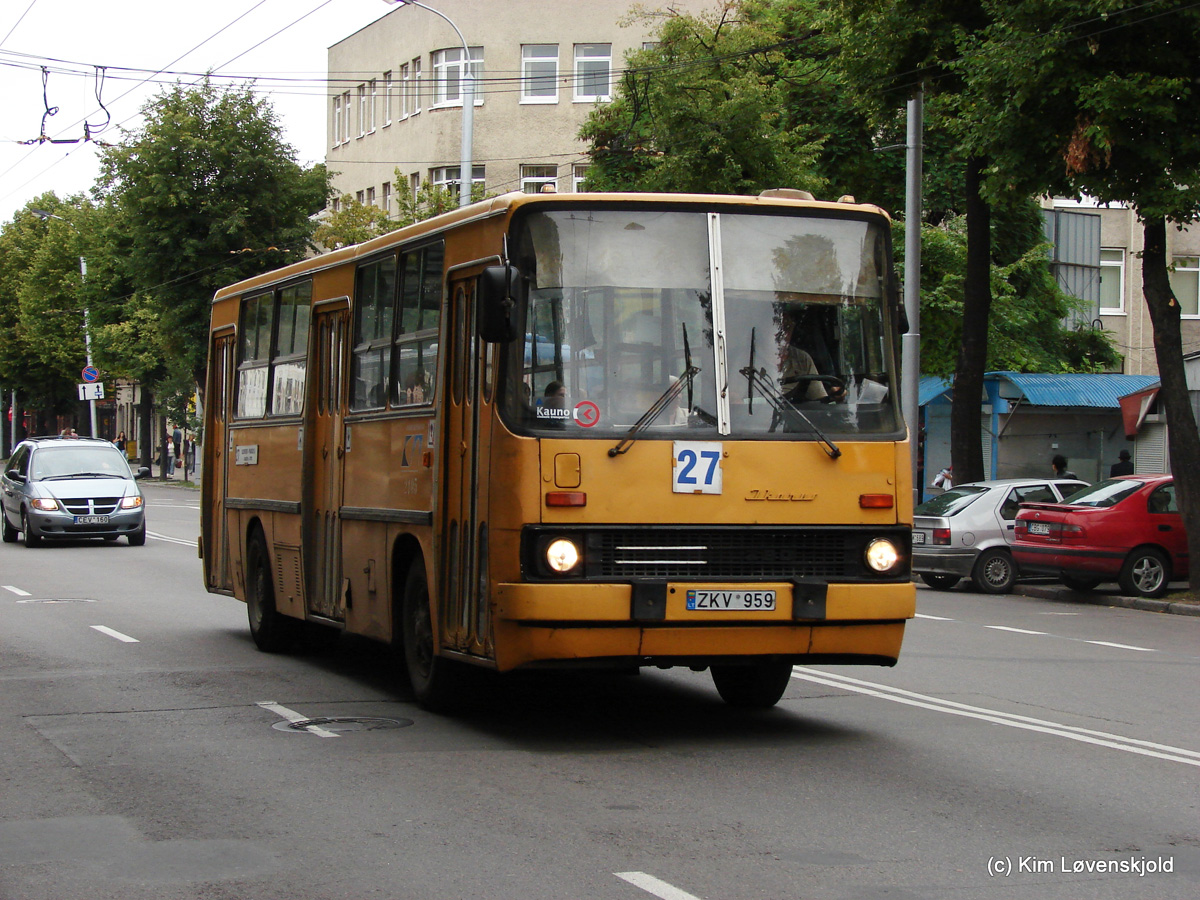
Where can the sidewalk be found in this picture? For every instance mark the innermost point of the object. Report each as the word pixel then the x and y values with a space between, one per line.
pixel 1101 597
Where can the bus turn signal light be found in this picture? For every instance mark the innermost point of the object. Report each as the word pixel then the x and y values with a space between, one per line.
pixel 876 501
pixel 566 498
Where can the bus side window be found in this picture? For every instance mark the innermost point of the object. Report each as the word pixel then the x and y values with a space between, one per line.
pixel 373 303
pixel 416 346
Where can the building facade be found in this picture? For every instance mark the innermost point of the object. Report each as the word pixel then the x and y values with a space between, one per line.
pixel 396 89
pixel 1097 256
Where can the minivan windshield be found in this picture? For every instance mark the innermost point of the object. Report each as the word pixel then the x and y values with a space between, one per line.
pixel 51 463
pixel 769 326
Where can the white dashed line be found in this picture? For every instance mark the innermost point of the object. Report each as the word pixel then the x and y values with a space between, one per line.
pixel 1121 646
pixel 292 716
pixel 655 886
pixel 104 629
pixel 16 590
pixel 1014 630
pixel 934 618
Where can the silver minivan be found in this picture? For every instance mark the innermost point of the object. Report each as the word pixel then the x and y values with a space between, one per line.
pixel 71 488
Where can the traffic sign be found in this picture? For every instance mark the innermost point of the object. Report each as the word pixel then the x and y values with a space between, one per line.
pixel 91 391
pixel 91 374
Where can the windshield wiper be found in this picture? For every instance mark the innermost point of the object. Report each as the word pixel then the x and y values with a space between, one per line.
pixel 783 407
pixel 666 399
pixel 82 475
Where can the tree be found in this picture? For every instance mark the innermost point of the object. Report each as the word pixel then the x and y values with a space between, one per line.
pixel 352 223
pixel 1103 101
pixel 205 193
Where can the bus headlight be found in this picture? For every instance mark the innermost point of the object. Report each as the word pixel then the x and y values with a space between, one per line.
pixel 882 555
pixel 562 555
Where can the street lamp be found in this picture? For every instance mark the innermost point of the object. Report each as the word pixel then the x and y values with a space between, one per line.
pixel 465 172
pixel 87 324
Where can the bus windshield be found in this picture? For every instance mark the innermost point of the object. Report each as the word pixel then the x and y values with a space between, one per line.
pixel 751 325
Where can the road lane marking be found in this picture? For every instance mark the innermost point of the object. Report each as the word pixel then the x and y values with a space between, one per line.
pixel 16 590
pixel 1014 630
pixel 292 716
pixel 935 618
pixel 104 629
pixel 66 600
pixel 1042 726
pixel 655 886
pixel 1121 646
pixel 170 540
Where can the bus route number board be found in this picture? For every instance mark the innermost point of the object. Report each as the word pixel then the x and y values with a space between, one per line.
pixel 730 601
pixel 697 467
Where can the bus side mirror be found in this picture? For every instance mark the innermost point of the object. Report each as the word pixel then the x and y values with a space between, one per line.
pixel 501 289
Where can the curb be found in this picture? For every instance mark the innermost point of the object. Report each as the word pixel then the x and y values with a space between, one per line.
pixel 1147 604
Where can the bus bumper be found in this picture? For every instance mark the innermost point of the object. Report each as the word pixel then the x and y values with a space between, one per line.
pixel 550 624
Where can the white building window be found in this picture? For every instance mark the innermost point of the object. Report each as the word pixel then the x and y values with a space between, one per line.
pixel 370 196
pixel 539 73
pixel 578 173
pixel 534 178
pixel 1185 282
pixel 447 177
pixel 1112 281
pixel 372 103
pixel 346 114
pixel 362 110
pixel 593 72
pixel 447 74
pixel 337 120
pixel 386 206
pixel 389 96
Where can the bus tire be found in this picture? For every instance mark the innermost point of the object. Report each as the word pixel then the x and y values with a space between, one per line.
pixel 940 582
pixel 755 686
pixel 434 681
pixel 272 632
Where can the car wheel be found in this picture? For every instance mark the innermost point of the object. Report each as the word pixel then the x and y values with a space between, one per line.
pixel 995 572
pixel 1082 585
pixel 940 582
pixel 138 538
pixel 10 533
pixel 31 539
pixel 756 686
pixel 272 632
pixel 436 682
pixel 1146 573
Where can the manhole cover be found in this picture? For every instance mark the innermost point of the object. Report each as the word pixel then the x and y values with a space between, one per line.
pixel 343 724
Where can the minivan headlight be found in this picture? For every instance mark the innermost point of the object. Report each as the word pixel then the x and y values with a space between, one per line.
pixel 131 502
pixel 45 504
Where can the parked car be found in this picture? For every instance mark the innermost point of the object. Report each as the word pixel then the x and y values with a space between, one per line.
pixel 1126 529
pixel 69 488
pixel 967 531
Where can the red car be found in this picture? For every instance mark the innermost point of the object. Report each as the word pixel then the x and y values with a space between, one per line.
pixel 1125 529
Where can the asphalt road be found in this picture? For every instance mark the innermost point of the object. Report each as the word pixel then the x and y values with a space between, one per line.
pixel 1020 748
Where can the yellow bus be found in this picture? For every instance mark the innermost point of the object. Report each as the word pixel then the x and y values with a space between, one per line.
pixel 563 430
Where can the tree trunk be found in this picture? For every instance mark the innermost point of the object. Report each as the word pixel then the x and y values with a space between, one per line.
pixel 966 451
pixel 1182 437
pixel 146 427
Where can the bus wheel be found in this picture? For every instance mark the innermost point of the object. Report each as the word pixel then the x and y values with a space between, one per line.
pixel 756 686
pixel 271 631
pixel 434 680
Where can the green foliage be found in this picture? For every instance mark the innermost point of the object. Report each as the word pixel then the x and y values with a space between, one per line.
pixel 204 194
pixel 430 200
pixel 352 223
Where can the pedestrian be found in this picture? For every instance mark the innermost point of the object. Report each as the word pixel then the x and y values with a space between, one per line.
pixel 1124 467
pixel 1060 467
pixel 119 441
pixel 944 479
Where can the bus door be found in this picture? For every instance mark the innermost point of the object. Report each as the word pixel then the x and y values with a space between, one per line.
pixel 218 569
pixel 325 449
pixel 462 590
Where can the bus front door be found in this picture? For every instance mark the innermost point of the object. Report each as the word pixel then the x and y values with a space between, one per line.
pixel 463 612
pixel 325 448
pixel 217 569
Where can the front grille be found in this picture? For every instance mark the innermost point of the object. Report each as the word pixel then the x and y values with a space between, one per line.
pixel 97 506
pixel 743 553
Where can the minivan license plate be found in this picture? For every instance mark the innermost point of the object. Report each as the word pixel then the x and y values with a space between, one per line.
pixel 730 600
pixel 91 520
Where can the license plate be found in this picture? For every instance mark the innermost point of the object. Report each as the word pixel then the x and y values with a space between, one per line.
pixel 91 520
pixel 918 537
pixel 730 600
pixel 1039 528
